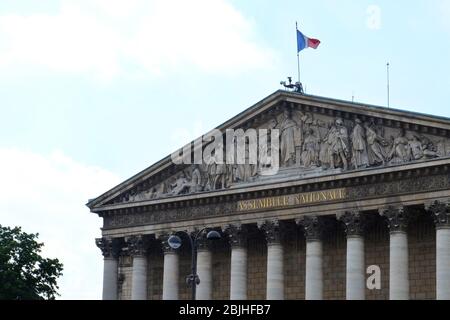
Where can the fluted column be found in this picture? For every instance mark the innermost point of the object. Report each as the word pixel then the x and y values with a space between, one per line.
pixel 313 228
pixel 441 214
pixel 355 271
pixel 138 249
pixel 275 260
pixel 204 269
pixel 110 250
pixel 397 220
pixel 171 270
pixel 237 237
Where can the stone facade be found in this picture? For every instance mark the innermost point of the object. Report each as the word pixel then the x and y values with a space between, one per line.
pixel 422 262
pixel 358 186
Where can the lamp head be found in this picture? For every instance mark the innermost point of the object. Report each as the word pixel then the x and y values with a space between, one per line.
pixel 213 235
pixel 174 242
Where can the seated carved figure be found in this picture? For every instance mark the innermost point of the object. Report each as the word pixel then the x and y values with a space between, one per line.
pixel 181 185
pixel 430 150
pixel 401 150
pixel 416 148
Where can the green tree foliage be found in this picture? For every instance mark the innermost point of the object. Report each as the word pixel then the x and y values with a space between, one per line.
pixel 24 274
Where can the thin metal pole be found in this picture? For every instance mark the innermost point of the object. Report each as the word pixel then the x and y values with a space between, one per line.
pixel 388 87
pixel 298 53
pixel 194 267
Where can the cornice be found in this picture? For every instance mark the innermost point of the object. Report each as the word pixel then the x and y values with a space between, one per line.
pixel 347 179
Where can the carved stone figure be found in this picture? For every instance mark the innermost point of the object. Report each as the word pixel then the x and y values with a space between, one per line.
pixel 217 174
pixel 310 140
pixel 152 194
pixel 211 174
pixel 339 146
pixel 359 147
pixel 221 176
pixel 375 151
pixel 303 121
pixel 196 179
pixel 429 148
pixel 416 148
pixel 401 150
pixel 265 150
pixel 247 170
pixel 311 148
pixel 288 129
pixel 441 148
pixel 325 154
pixel 181 186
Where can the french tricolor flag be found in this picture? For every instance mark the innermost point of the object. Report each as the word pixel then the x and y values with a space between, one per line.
pixel 304 42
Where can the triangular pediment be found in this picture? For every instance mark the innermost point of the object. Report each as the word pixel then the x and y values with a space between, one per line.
pixel 318 137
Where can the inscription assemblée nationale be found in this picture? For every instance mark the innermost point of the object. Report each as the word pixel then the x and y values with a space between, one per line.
pixel 292 200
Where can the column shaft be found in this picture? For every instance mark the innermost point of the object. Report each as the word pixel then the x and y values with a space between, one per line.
pixel 170 276
pixel 110 278
pixel 314 271
pixel 275 272
pixel 139 278
pixel 399 266
pixel 110 270
pixel 238 281
pixel 110 250
pixel 443 264
pixel 204 271
pixel 356 282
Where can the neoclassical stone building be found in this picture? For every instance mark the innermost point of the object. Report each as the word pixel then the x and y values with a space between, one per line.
pixel 358 187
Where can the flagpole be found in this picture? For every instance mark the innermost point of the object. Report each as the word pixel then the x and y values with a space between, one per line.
pixel 388 86
pixel 298 53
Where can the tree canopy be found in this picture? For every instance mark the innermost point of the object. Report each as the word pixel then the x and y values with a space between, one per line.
pixel 24 273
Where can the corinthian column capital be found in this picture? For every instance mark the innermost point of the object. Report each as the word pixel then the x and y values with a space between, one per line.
pixel 396 217
pixel 164 238
pixel 137 245
pixel 236 235
pixel 110 247
pixel 271 229
pixel 313 227
pixel 354 223
pixel 441 212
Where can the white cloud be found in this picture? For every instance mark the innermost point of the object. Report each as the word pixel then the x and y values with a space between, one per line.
pixel 46 194
pixel 104 37
pixel 373 21
pixel 444 10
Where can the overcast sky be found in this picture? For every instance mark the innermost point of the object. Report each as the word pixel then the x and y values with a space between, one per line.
pixel 94 91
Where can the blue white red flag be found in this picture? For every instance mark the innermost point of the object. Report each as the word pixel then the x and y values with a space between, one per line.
pixel 304 42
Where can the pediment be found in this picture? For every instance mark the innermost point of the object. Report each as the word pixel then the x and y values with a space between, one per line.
pixel 317 137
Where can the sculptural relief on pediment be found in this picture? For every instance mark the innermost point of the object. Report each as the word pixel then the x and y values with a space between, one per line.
pixel 309 144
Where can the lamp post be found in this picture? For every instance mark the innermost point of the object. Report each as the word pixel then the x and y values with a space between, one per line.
pixel 175 243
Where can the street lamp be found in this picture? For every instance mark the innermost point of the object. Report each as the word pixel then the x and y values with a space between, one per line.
pixel 175 243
